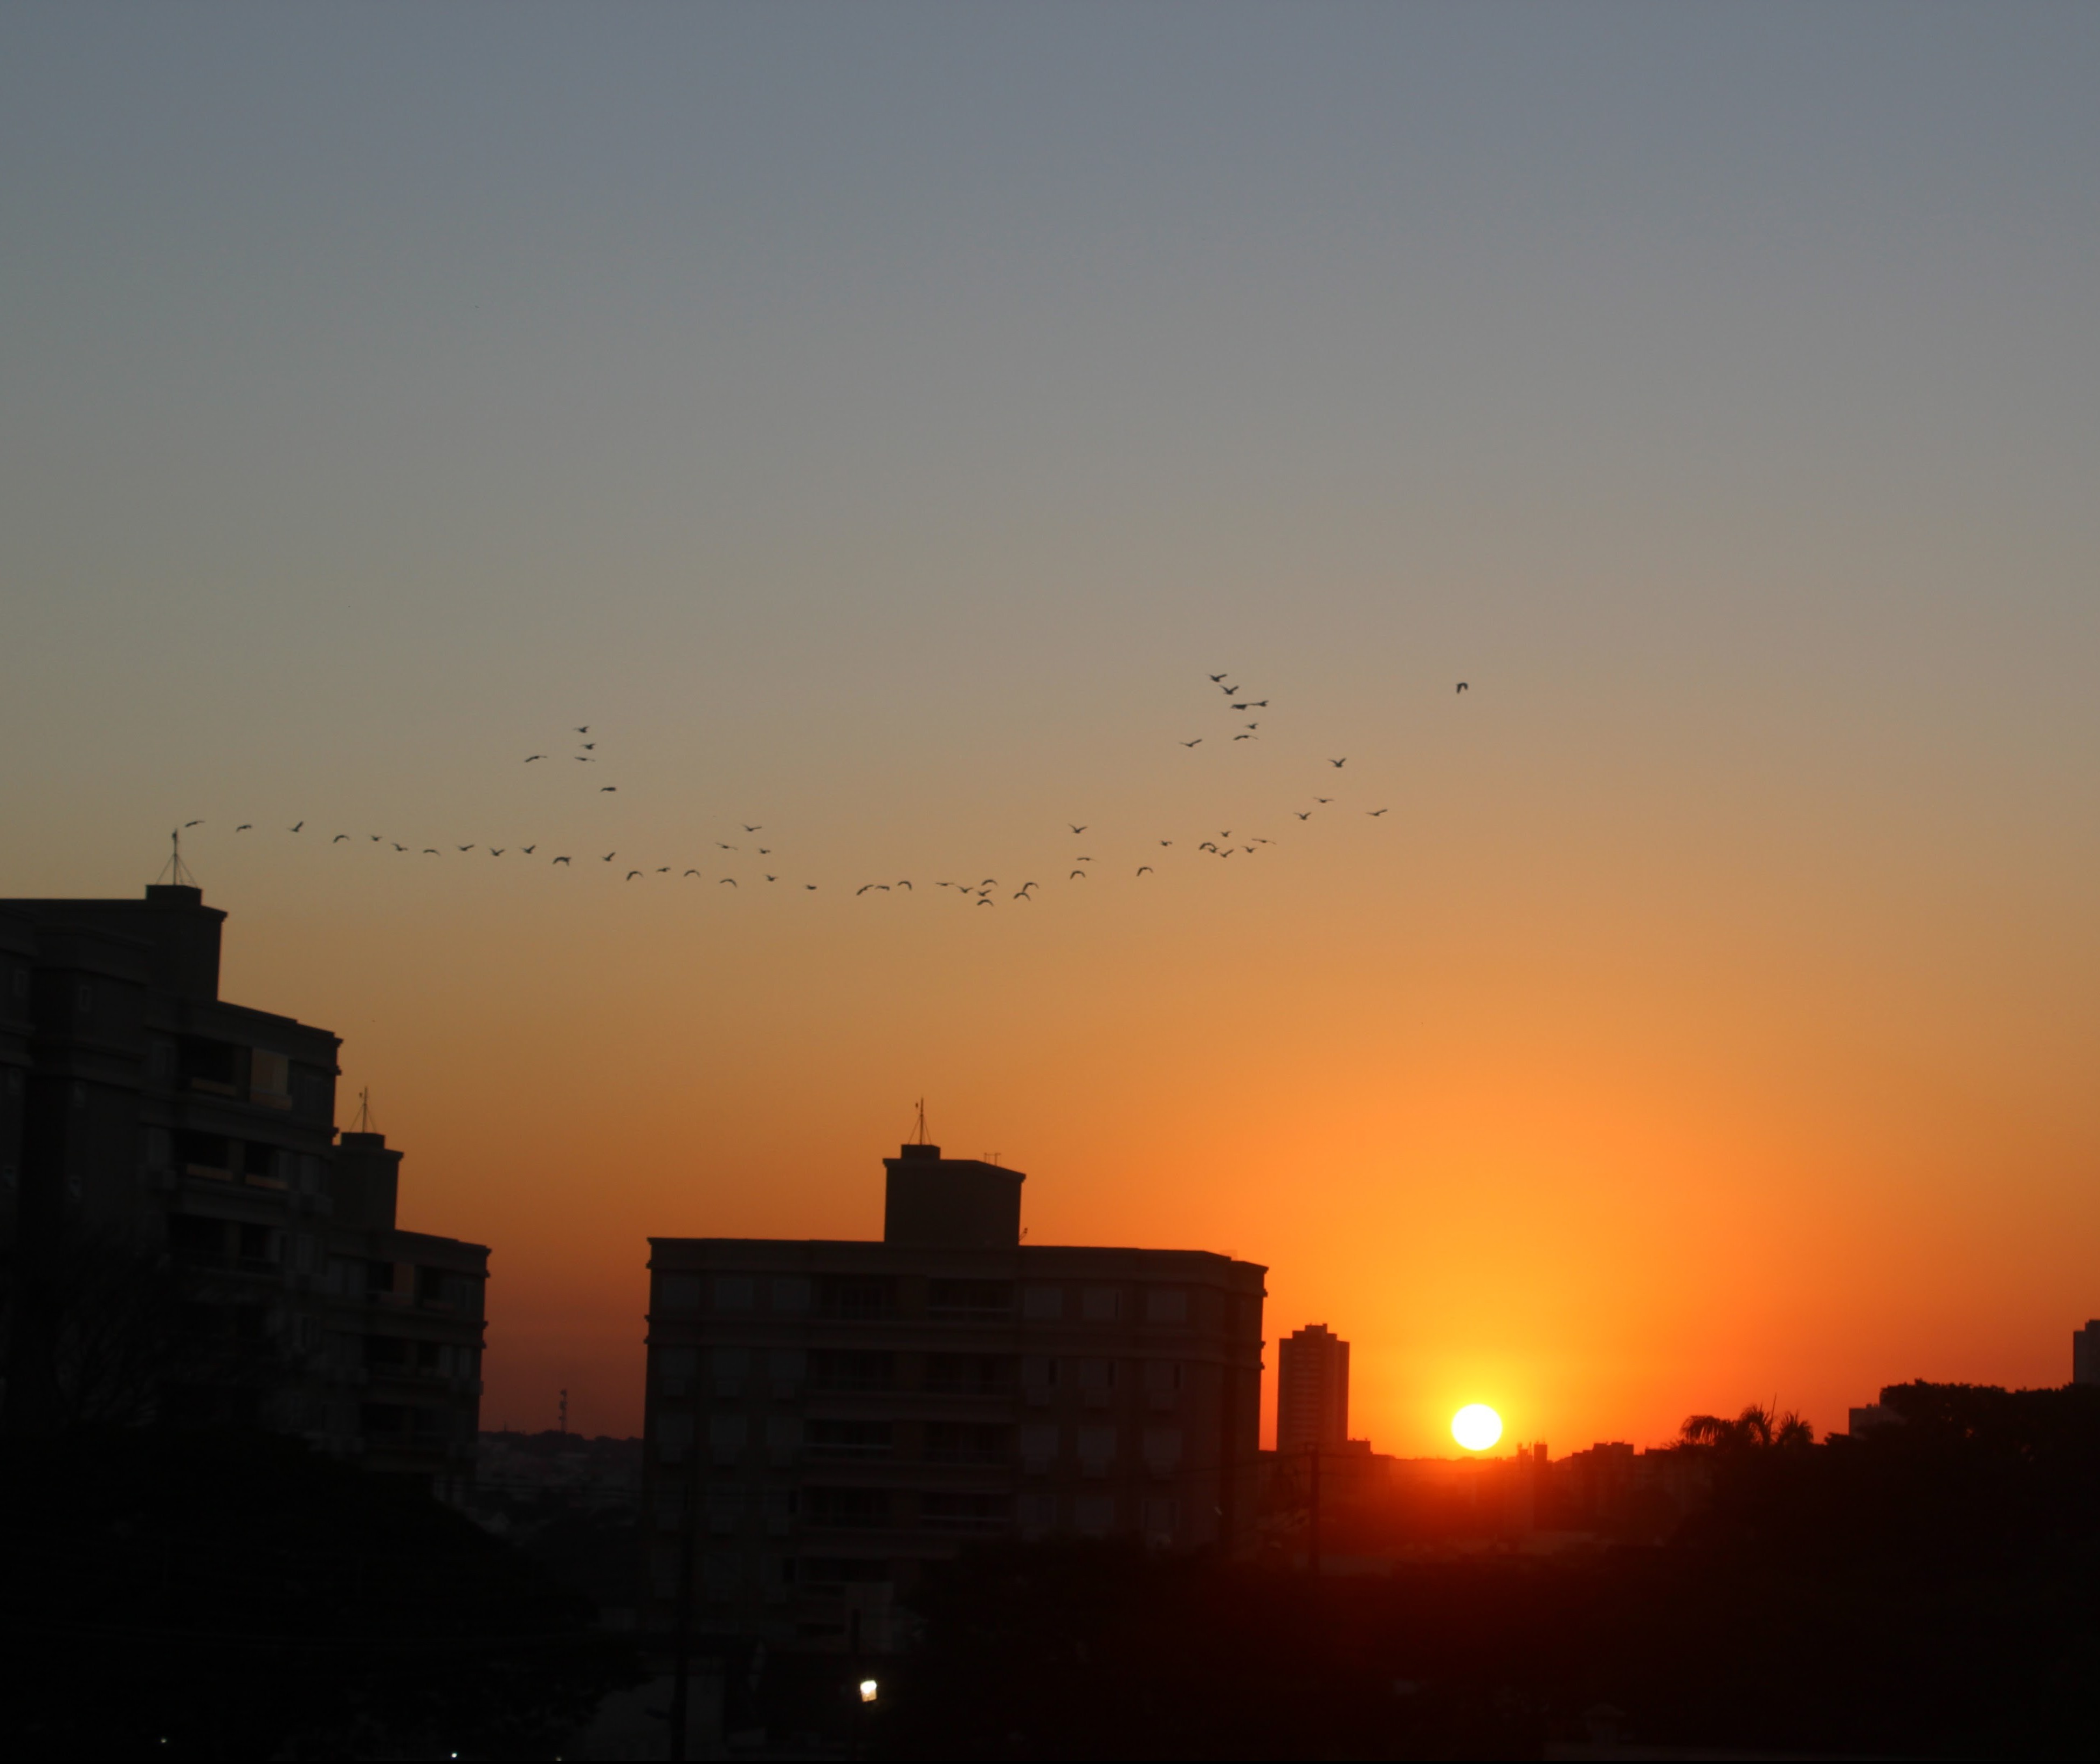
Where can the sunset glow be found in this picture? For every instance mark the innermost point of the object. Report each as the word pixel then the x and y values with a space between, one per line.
pixel 1477 1426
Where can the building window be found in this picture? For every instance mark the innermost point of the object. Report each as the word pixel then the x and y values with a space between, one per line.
pixel 1159 1522
pixel 1039 1377
pixel 726 1508
pixel 1167 1304
pixel 1097 1380
pixel 1097 1450
pixel 1093 1515
pixel 210 1066
pixel 848 1439
pixel 1163 1382
pixel 730 1366
pixel 946 1511
pixel 1038 1448
pixel 783 1438
pixel 83 998
pixel 856 1298
pixel 727 1435
pixel 830 1573
pixel 720 1575
pixel 969 1301
pixel 792 1293
pixel 1037 1514
pixel 675 1367
pixel 269 1078
pixel 1162 1450
pixel 970 1374
pixel 677 1292
pixel 733 1292
pixel 845 1369
pixel 785 1369
pixel 1102 1304
pixel 674 1437
pixel 261 1166
pixel 1042 1304
pixel 951 1442
pixel 861 1509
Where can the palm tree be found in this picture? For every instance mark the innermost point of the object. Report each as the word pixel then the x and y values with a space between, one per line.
pixel 1758 1428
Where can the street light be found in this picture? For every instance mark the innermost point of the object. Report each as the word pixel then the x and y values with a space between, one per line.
pixel 867 1689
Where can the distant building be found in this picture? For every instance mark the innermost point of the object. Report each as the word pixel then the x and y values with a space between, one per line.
pixel 828 1417
pixel 1312 1391
pixel 160 1147
pixel 2085 1354
pixel 1865 1417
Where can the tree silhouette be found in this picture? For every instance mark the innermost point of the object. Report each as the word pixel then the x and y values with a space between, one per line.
pixel 1760 1427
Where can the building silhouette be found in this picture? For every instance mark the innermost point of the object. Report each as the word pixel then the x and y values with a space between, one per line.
pixel 823 1418
pixel 1312 1391
pixel 192 1242
pixel 2085 1354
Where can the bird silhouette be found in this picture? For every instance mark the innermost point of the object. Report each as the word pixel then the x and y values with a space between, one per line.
pixel 583 759
pixel 750 829
pixel 1023 895
pixel 1462 686
pixel 1144 869
pixel 188 825
pixel 773 878
pixel 1075 829
pixel 726 847
pixel 663 869
pixel 1026 886
pixel 766 850
pixel 1323 800
pixel 862 889
pixel 1243 737
pixel 1337 763
pixel 400 847
pixel 295 826
pixel 528 849
pixel 604 788
pixel 1229 691
pixel 338 838
pixel 561 860
pixel 608 857
pixel 1226 834
pixel 431 850
pixel 982 902
pixel 466 848
pixel 1206 845
pixel 633 873
pixel 1079 873
pixel 589 747
pixel 730 880
pixel 1375 813
pixel 688 873
pixel 1083 860
pixel 1253 725
pixel 1306 815
pixel 990 881
pixel 1167 842
pixel 497 851
pixel 529 758
pixel 811 886
pixel 585 730
pixel 1255 704
pixel 375 838
pixel 246 826
pixel 1197 742
pixel 907 885
pixel 1217 680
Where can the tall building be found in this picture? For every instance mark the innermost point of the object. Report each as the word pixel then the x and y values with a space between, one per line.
pixel 2085 1354
pixel 1312 1390
pixel 193 1242
pixel 823 1418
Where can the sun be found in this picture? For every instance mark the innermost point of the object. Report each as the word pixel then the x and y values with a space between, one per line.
pixel 1477 1426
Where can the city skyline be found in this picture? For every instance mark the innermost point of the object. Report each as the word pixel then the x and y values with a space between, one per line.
pixel 876 427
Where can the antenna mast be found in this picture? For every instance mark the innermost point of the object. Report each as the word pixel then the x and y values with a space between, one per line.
pixel 175 870
pixel 363 1124
pixel 918 1135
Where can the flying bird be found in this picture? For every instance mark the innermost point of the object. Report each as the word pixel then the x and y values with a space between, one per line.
pixel 1462 686
pixel 633 873
pixel 1206 845
pixel 1323 800
pixel 1307 816
pixel 295 826
pixel 766 850
pixel 603 788
pixel 1243 737
pixel 862 889
pixel 466 848
pixel 400 847
pixel 561 860
pixel 663 869
pixel 905 885
pixel 1083 860
pixel 528 849
pixel 1167 842
pixel 811 886
pixel 982 902
pixel 1144 869
pixel 1075 829
pixel 1079 873
pixel 1026 887
pixel 375 838
pixel 688 873
pixel 338 838
pixel 1217 680
pixel 1229 691
pixel 1197 742
pixel 188 825
pixel 1375 813
pixel 246 826
pixel 585 759
pixel 773 878
pixel 1338 763
pixel 750 829
pixel 608 857
pixel 588 746
pixel 730 880
pixel 585 730
pixel 529 758
pixel 497 851
pixel 1255 704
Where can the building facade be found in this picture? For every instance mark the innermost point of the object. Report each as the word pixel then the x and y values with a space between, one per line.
pixel 823 1418
pixel 190 1239
pixel 1312 1391
pixel 2085 1354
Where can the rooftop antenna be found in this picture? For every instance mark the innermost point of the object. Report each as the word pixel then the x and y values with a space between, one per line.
pixel 175 870
pixel 363 1124
pixel 919 1136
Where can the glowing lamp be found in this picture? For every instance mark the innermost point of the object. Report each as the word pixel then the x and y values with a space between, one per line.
pixel 1477 1426
pixel 868 1689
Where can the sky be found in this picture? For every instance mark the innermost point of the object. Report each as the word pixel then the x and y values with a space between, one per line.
pixel 877 422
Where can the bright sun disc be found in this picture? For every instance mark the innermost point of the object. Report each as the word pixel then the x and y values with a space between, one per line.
pixel 1477 1426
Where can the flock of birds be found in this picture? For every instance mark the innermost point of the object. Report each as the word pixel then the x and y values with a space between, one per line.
pixel 984 892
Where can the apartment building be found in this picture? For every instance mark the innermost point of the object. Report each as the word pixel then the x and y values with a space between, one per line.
pixel 193 1241
pixel 1312 1391
pixel 824 1418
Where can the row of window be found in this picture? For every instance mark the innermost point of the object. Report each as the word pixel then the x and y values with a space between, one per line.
pixel 1037 1447
pixel 869 1297
pixel 731 1370
pixel 254 1162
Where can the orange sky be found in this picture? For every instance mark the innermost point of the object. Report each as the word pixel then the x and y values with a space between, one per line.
pixel 878 428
